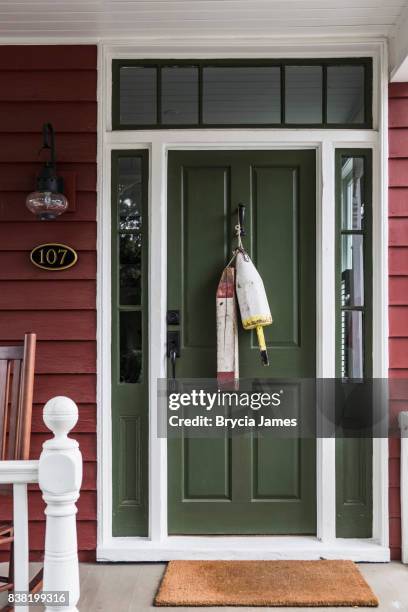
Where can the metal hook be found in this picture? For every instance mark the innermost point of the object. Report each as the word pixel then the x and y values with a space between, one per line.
pixel 241 219
pixel 49 143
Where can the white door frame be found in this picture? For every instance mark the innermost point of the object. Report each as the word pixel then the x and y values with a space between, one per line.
pixel 158 545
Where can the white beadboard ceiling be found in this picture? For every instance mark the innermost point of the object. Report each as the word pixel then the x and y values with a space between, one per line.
pixel 197 18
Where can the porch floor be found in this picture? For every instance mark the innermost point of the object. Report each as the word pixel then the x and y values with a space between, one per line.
pixel 130 587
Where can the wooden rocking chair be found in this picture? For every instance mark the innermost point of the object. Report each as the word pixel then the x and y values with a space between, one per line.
pixel 16 404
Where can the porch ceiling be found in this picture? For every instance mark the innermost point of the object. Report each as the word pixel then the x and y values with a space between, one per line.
pixel 191 18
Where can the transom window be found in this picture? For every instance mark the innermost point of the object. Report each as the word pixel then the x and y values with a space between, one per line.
pixel 163 94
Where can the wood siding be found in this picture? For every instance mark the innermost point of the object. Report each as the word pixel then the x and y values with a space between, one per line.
pixel 54 84
pixel 398 286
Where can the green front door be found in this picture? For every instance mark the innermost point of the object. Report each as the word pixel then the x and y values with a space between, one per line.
pixel 243 485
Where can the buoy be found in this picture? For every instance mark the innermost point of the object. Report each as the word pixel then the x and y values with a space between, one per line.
pixel 252 300
pixel 227 329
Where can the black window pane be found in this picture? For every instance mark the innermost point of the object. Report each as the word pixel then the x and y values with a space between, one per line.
pixel 303 94
pixel 352 270
pixel 138 95
pixel 130 269
pixel 352 193
pixel 352 365
pixel 241 95
pixel 130 285
pixel 130 346
pixel 179 88
pixel 130 193
pixel 129 248
pixel 345 94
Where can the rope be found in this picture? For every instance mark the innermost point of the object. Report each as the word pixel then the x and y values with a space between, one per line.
pixel 239 248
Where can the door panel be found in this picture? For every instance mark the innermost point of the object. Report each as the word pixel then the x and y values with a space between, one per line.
pixel 251 484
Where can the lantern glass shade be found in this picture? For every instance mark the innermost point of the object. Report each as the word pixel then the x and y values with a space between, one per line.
pixel 46 205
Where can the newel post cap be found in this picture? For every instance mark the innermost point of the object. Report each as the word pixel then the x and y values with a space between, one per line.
pixel 60 415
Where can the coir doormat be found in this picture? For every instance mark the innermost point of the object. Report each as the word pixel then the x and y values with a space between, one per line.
pixel 264 583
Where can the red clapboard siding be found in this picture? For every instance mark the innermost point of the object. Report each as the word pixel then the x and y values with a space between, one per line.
pixel 398 231
pixel 54 84
pixel 66 357
pixel 21 177
pixel 394 502
pixel 48 295
pixel 397 142
pixel 48 57
pixel 398 90
pixel 398 172
pixel 13 208
pixel 398 385
pixel 82 389
pixel 75 147
pixel 398 319
pixel 18 237
pixel 48 85
pixel 398 114
pixel 398 261
pixel 64 116
pixel 398 292
pixel 395 532
pixel 398 348
pixel 49 324
pixel 16 265
pixel 394 472
pixel 398 202
pixel 89 476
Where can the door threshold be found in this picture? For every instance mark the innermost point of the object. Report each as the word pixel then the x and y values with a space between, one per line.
pixel 242 547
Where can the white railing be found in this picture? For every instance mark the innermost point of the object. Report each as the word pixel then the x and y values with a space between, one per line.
pixel 59 475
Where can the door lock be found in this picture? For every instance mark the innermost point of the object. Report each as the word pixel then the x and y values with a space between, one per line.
pixel 173 317
pixel 173 349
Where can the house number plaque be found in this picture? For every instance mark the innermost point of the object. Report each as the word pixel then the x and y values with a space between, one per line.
pixel 53 256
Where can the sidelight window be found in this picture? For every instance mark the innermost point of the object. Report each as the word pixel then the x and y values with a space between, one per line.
pixel 154 94
pixel 128 265
pixel 353 263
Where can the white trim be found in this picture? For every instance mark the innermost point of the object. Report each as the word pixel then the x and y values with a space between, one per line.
pixel 103 300
pixel 158 546
pixel 215 547
pixel 380 294
pixel 325 333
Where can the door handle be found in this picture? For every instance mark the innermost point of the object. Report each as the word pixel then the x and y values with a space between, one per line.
pixel 173 349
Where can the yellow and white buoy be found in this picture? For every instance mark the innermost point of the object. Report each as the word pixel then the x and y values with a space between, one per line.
pixel 252 300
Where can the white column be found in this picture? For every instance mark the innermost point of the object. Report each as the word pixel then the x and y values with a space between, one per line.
pixel 403 423
pixel 60 477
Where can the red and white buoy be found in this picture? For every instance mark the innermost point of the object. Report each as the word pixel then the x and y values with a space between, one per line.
pixel 227 329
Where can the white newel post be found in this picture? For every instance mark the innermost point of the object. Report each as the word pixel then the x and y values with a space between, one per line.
pixel 403 423
pixel 60 477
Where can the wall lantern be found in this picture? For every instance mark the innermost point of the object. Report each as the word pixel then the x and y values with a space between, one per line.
pixel 48 201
